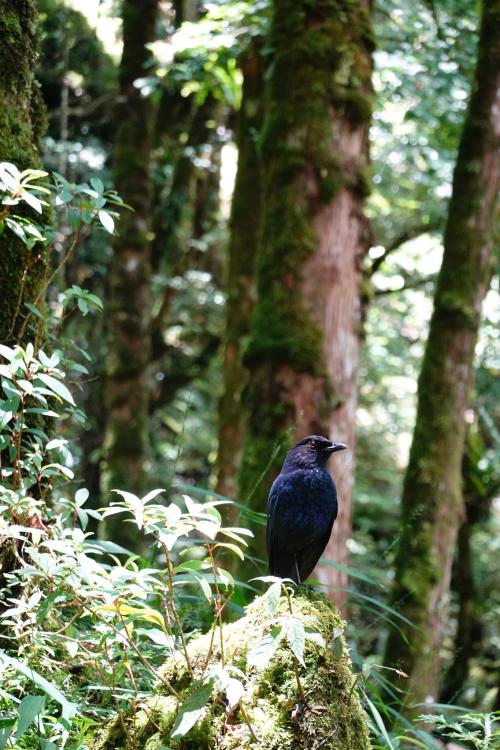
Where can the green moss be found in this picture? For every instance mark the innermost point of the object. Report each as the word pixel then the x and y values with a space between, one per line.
pixel 333 716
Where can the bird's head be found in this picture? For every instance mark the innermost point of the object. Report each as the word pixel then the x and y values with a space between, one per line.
pixel 311 452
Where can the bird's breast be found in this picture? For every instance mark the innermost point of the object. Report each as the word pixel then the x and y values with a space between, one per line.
pixel 308 504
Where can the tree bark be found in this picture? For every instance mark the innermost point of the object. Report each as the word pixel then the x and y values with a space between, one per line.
pixel 240 281
pixel 22 122
pixel 432 505
pixel 303 348
pixel 126 432
pixel 479 488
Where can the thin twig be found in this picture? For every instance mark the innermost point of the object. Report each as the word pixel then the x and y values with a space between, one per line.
pixel 175 613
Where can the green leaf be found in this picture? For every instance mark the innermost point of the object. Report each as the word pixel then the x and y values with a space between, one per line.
pixel 263 651
pixel 272 597
pixel 231 547
pixel 234 692
pixel 7 352
pixel 351 572
pixel 45 606
pixel 34 310
pixel 27 175
pixel 190 565
pixel 377 603
pixel 315 637
pixel 233 535
pixel 107 221
pixel 295 636
pixel 226 577
pixel 30 199
pixel 379 722
pixel 81 496
pixel 5 733
pixel 192 708
pixel 5 418
pixel 159 637
pixel 97 184
pixel 204 587
pixel 68 709
pixel 56 387
pixel 29 708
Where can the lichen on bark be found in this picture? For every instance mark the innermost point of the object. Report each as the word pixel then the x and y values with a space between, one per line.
pixel 332 719
pixel 22 121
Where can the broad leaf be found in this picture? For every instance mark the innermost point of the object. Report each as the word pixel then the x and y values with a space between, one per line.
pixel 107 221
pixel 68 709
pixel 295 636
pixel 56 387
pixel 192 708
pixel 263 651
pixel 272 597
pixel 29 708
pixel 234 692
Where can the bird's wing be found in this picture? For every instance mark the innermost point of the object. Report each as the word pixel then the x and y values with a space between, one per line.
pixel 308 558
pixel 271 517
pixel 281 496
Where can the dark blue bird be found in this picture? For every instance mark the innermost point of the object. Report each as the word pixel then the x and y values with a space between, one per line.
pixel 301 509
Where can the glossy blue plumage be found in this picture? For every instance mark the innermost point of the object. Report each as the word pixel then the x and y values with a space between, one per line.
pixel 302 507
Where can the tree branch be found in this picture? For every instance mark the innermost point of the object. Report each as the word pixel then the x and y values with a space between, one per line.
pixel 409 283
pixel 410 233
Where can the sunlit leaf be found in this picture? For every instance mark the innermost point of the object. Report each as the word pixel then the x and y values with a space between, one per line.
pixel 107 221
pixel 56 387
pixel 262 652
pixel 295 636
pixel 192 708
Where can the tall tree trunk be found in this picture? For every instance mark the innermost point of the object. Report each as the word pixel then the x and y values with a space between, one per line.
pixel 432 505
pixel 240 277
pixel 479 488
pixel 126 433
pixel 22 121
pixel 303 349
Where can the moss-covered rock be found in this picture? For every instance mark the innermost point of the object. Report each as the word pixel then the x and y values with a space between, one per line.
pixel 332 718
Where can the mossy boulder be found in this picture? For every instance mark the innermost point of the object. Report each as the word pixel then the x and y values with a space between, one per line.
pixel 332 717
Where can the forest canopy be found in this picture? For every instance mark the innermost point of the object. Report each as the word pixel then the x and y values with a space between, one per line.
pixel 226 226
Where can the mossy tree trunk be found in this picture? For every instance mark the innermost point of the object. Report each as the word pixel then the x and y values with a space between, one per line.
pixel 479 488
pixel 240 274
pixel 432 505
pixel 302 354
pixel 22 121
pixel 126 432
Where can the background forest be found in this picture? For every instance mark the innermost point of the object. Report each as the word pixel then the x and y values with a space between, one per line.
pixel 225 226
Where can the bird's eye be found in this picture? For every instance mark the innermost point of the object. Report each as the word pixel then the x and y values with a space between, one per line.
pixel 313 444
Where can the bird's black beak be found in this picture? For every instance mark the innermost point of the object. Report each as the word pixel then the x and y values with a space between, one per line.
pixel 334 448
